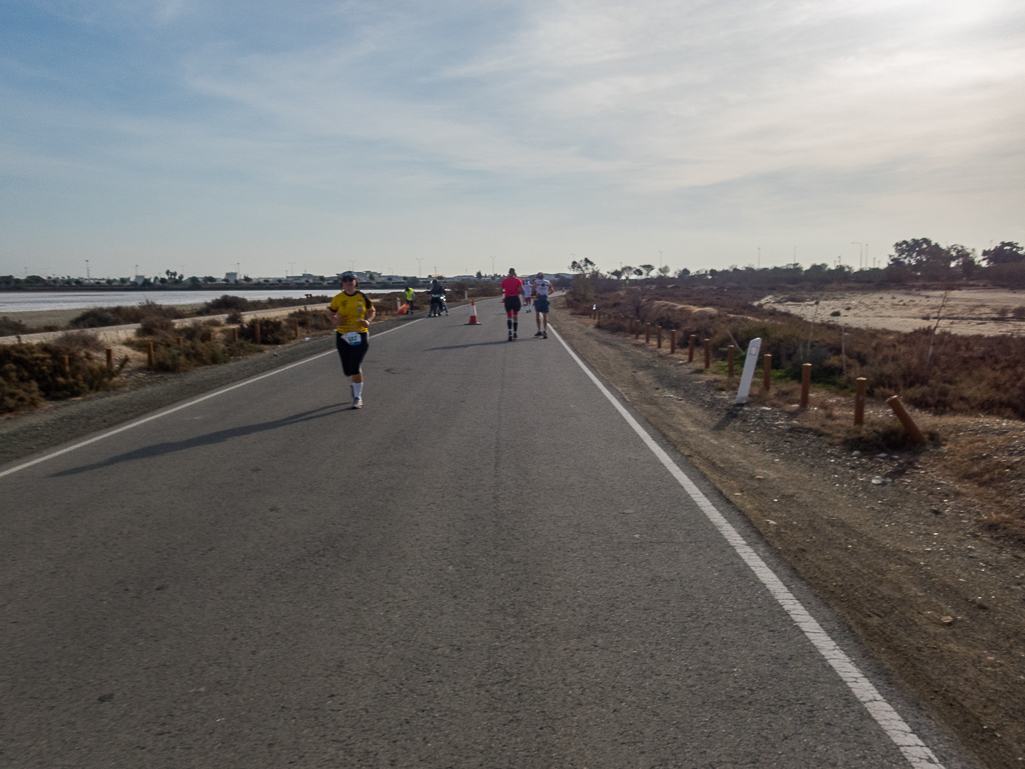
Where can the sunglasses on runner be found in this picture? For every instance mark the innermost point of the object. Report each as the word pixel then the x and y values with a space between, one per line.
pixel 348 280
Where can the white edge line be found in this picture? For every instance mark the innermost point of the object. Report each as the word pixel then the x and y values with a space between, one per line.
pixel 208 396
pixel 914 750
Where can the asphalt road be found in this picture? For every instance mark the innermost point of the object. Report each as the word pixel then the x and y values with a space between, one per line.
pixel 487 566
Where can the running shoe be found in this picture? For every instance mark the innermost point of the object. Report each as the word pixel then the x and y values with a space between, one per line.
pixel 546 335
pixel 538 334
pixel 510 337
pixel 357 403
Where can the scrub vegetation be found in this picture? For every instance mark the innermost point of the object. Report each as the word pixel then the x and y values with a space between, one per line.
pixel 71 366
pixel 928 368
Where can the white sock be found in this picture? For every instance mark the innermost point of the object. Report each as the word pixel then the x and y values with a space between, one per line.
pixel 357 390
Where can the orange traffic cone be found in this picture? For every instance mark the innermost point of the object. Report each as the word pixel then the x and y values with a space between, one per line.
pixel 473 315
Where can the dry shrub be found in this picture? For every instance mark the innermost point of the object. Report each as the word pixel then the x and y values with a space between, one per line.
pixel 9 327
pixel 147 312
pixel 228 303
pixel 941 372
pixel 31 372
pixel 154 326
pixel 272 331
pixel 72 342
pixel 318 321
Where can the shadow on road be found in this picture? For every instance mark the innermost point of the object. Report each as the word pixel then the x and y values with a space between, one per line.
pixel 162 449
pixel 464 346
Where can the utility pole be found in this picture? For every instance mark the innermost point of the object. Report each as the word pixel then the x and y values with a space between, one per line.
pixel 87 269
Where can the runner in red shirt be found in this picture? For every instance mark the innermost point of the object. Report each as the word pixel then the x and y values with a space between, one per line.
pixel 512 287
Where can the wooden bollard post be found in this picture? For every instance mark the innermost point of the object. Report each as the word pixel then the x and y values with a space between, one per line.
pixel 905 419
pixel 66 361
pixel 309 323
pixel 110 360
pixel 181 342
pixel 708 353
pixel 805 384
pixel 766 372
pixel 658 344
pixel 672 341
pixel 647 334
pixel 859 400
pixel 296 319
pixel 729 361
pixel 690 348
pixel 210 336
pixel 234 335
pixel 149 354
pixel 256 332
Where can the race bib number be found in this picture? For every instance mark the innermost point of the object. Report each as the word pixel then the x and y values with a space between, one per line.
pixel 352 338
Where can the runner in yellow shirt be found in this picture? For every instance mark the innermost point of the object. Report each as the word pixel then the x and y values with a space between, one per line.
pixel 351 313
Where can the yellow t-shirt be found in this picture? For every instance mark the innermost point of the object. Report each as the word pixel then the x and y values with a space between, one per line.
pixel 351 309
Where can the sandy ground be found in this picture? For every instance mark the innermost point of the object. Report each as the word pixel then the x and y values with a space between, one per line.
pixel 905 559
pixel 972 311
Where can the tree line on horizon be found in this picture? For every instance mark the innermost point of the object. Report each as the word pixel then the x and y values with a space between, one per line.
pixel 914 260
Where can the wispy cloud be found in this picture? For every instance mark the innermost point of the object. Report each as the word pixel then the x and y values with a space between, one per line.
pixel 750 118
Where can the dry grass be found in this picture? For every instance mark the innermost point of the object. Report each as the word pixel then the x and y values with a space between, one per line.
pixel 30 373
pixel 970 398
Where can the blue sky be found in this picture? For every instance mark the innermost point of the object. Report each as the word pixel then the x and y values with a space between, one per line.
pixel 316 136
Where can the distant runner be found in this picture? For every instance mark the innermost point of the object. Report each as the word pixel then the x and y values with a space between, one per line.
pixel 526 296
pixel 512 287
pixel 410 297
pixel 351 313
pixel 542 287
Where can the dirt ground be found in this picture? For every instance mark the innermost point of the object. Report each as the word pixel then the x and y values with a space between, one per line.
pixel 969 311
pixel 896 543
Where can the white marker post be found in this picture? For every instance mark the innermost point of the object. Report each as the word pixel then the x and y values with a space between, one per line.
pixel 749 370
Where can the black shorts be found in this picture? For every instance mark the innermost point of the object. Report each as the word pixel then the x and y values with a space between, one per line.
pixel 512 304
pixel 352 354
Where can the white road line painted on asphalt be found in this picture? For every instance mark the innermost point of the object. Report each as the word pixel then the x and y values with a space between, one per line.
pixel 208 396
pixel 914 750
